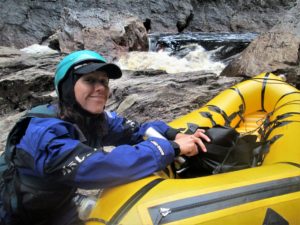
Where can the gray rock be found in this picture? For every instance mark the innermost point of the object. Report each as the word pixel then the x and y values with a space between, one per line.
pixel 127 103
pixel 164 96
pixel 6 124
pixel 274 51
pixel 96 29
pixel 25 80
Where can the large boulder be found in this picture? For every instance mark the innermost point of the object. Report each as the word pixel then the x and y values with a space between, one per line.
pixel 274 51
pixel 100 31
pixel 25 79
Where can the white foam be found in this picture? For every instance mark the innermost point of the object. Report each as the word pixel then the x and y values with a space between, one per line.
pixel 197 60
pixel 38 49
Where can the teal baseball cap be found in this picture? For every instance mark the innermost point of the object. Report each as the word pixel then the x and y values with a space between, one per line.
pixel 83 62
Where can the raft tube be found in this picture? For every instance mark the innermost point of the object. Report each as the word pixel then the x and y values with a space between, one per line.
pixel 268 194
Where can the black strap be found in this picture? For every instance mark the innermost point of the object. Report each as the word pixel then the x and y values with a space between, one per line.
pixel 239 113
pixel 273 125
pixel 292 163
pixel 240 94
pixel 209 116
pixel 219 167
pixel 217 109
pixel 286 115
pixel 227 119
pixel 285 95
pixel 98 220
pixel 293 102
pixel 263 91
pixel 260 152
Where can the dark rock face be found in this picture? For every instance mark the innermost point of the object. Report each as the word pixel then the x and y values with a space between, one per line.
pixel 147 24
pixel 274 51
pixel 185 22
pixel 25 80
pixel 109 34
pixel 238 16
pixel 23 23
pixel 26 22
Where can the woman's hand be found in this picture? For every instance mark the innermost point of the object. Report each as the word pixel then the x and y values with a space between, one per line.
pixel 189 143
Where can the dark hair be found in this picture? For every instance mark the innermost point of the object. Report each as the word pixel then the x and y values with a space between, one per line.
pixel 93 127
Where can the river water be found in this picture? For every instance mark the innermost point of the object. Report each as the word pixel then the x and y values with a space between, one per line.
pixel 183 52
pixel 197 59
pixel 187 52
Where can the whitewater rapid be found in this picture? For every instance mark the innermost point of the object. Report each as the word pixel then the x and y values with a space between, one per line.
pixel 197 59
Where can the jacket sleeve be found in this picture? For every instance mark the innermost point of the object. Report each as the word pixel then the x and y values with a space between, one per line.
pixel 63 158
pixel 124 131
pixel 90 168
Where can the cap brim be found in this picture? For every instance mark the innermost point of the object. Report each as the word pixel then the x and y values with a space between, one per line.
pixel 112 70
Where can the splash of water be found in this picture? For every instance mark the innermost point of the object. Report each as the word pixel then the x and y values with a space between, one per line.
pixel 38 49
pixel 196 60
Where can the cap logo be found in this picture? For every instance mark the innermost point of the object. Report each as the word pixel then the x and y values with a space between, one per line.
pixel 81 65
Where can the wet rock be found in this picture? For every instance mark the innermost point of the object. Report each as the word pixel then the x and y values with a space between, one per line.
pixel 270 52
pixel 275 51
pixel 25 80
pixel 148 72
pixel 98 30
pixel 24 23
pixel 147 24
pixel 6 124
pixel 165 96
pixel 184 22
pixel 222 45
pixel 128 102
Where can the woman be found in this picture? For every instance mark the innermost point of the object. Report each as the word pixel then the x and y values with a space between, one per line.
pixel 61 148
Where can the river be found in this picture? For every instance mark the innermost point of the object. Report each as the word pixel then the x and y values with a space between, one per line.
pixel 187 52
pixel 183 52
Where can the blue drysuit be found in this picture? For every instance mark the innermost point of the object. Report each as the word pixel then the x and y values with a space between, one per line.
pixel 54 155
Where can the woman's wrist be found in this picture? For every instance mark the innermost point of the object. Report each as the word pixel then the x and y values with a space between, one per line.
pixel 171 133
pixel 176 148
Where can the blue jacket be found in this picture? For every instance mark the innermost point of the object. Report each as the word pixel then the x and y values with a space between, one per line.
pixel 55 150
pixel 49 159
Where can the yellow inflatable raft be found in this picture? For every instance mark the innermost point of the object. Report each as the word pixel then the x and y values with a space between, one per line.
pixel 269 194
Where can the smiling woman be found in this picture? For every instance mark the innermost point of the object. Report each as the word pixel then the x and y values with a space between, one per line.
pixel 56 149
pixel 92 91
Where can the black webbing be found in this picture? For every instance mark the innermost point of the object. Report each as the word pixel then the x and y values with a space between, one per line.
pixel 263 91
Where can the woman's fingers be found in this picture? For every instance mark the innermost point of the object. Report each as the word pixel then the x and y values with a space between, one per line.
pixel 200 143
pixel 190 144
pixel 200 133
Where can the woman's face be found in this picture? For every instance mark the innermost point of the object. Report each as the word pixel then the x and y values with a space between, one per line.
pixel 92 91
